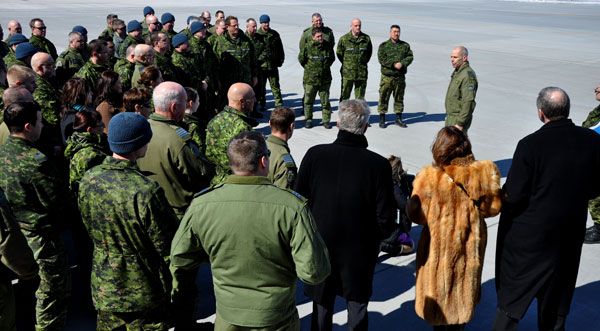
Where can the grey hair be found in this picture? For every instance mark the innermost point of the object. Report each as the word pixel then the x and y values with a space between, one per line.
pixel 354 116
pixel 129 50
pixel 163 99
pixel 463 51
pixel 250 20
pixel 554 106
pixel 316 15
pixel 74 35
pixel 245 150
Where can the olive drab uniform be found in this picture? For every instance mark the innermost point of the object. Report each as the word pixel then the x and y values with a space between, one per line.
pixel 282 168
pixel 392 79
pixel 316 59
pixel 460 97
pixel 272 58
pixel 137 73
pixel 125 70
pixel 593 119
pixel 354 53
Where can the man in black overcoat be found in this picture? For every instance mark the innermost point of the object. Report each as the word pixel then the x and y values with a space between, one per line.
pixel 350 193
pixel 554 174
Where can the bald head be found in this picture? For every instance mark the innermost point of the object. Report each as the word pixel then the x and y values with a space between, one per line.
pixel 144 53
pixel 355 27
pixel 14 27
pixel 43 64
pixel 169 100
pixel 241 97
pixel 16 94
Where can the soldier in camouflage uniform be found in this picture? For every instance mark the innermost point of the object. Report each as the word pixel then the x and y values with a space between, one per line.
pixel 134 37
pixel 219 29
pixel 190 65
pixel 42 203
pixel 14 27
pixel 71 60
pixel 168 22
pixel 153 26
pixel 4 49
pixel 316 59
pixel 592 234
pixel 200 45
pixel 282 168
pixel 229 122
pixel 354 50
pixel 395 56
pixel 46 94
pixel 15 40
pixel 317 22
pixel 162 60
pixel 38 38
pixel 144 57
pixel 460 97
pixel 124 67
pixel 148 11
pixel 131 282
pixel 258 42
pixel 119 36
pixel 273 57
pixel 96 65
pixel 109 32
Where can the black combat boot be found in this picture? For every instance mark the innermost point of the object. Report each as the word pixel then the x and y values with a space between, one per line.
pixel 399 121
pixel 308 124
pixel 326 125
pixel 382 121
pixel 592 234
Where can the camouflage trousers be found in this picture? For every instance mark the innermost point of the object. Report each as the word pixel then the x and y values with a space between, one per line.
pixel 53 293
pixel 360 86
pixel 291 323
pixel 273 77
pixel 594 206
pixel 387 86
pixel 7 306
pixel 152 320
pixel 310 92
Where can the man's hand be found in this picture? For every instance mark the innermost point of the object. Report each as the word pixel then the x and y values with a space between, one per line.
pixel 458 127
pixel 398 65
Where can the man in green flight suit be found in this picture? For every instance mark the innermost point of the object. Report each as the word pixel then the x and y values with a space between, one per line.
pixel 395 56
pixel 144 57
pixel 460 97
pixel 173 157
pixel 96 65
pixel 273 58
pixel 282 168
pixel 317 22
pixel 131 282
pixel 592 234
pixel 316 59
pixel 38 38
pixel 354 50
pixel 255 266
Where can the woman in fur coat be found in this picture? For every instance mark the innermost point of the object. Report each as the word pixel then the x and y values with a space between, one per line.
pixel 450 199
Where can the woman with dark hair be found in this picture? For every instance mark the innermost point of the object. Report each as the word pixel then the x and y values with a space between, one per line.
pixel 76 96
pixel 109 96
pixel 150 78
pixel 450 199
pixel 138 100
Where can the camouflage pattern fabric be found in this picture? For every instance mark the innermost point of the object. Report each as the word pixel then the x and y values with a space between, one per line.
pixel 274 56
pixel 125 70
pixel 354 53
pixel 190 69
pixel 48 96
pixel 152 320
pixel 91 73
pixel 593 119
pixel 197 130
pixel 10 60
pixel 211 67
pixel 387 86
pixel 84 151
pixel 129 40
pixel 43 45
pixel 307 37
pixel 316 58
pixel 68 63
pixel 108 33
pixel 390 53
pixel 167 70
pixel 237 59
pixel 258 43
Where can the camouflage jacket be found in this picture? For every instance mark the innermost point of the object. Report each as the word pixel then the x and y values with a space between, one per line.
pixel 274 55
pixel 170 35
pixel 316 59
pixel 48 96
pixel 190 69
pixel 390 53
pixel 592 119
pixel 107 33
pixel 211 64
pixel 258 41
pixel 131 226
pixel 68 63
pixel 224 126
pixel 125 70
pixel 237 61
pixel 38 196
pixel 129 40
pixel 91 73
pixel 10 60
pixel 164 64
pixel 307 37
pixel 43 45
pixel 84 151
pixel 196 129
pixel 137 73
pixel 354 53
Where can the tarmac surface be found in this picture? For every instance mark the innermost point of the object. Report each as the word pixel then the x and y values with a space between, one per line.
pixel 516 49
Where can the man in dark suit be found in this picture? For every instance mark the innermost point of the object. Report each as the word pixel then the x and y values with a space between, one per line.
pixel 350 193
pixel 554 174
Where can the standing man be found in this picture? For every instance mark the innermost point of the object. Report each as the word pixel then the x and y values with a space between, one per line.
pixel 274 56
pixel 219 29
pixel 147 11
pixel 460 97
pixel 317 22
pixel 173 157
pixel 10 59
pixel 153 25
pixel 13 27
pixel 4 49
pixel 96 65
pixel 131 282
pixel 539 240
pixel 71 60
pixel 592 234
pixel 219 15
pixel 206 16
pixel 258 238
pixel 232 120
pixel 109 32
pixel 316 59
pixel 144 57
pixel 394 56
pixel 168 22
pixel 282 168
pixel 124 67
pixel 350 193
pixel 134 37
pixel 354 50
pixel 258 42
pixel 47 95
pixel 161 45
pixel 189 65
pixel 38 38
pixel 119 36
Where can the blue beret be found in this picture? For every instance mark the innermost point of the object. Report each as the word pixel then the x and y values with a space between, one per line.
pixel 166 18
pixel 133 25
pixel 179 39
pixel 80 29
pixel 17 38
pixel 128 132
pixel 148 10
pixel 24 50
pixel 189 19
pixel 196 26
pixel 264 18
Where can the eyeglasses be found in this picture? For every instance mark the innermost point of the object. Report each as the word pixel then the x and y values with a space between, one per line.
pixel 40 27
pixel 267 153
pixel 121 28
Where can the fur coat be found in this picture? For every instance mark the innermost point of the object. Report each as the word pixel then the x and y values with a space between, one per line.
pixel 454 202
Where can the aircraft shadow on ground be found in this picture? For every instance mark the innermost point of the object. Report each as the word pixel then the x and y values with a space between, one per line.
pixel 503 166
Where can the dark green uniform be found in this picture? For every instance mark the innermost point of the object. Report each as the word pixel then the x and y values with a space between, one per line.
pixel 108 33
pixel 196 127
pixel 307 37
pixel 258 42
pixel 237 60
pixel 125 70
pixel 130 272
pixel 354 53
pixel 282 168
pixel 593 119
pixel 48 96
pixel 118 41
pixel 137 73
pixel 392 79
pixel 84 151
pixel 43 45
pixel 68 63
pixel 167 70
pixel 10 60
pixel 42 203
pixel 190 69
pixel 224 126
pixel 212 72
pixel 129 40
pixel 316 59
pixel 4 49
pixel 460 97
pixel 176 163
pixel 91 73
pixel 273 58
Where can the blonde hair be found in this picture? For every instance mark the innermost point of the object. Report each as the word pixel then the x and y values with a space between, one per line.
pixel 18 73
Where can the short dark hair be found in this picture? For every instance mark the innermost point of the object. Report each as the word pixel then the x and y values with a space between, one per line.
pixel 219 12
pixel 315 31
pixel 192 93
pixel 118 21
pixel 85 119
pixel 150 73
pixel 281 118
pixel 229 19
pixel 135 96
pixel 17 114
pixel 450 143
pixel 155 36
pixel 394 26
pixel 245 150
pixel 33 20
pixel 111 17
pixel 554 108
pixel 96 45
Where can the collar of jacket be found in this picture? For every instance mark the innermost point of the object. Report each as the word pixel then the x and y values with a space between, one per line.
pixel 160 118
pixel 463 161
pixel 247 180
pixel 112 163
pixel 462 67
pixel 21 141
pixel 351 139
pixel 252 122
pixel 557 123
pixel 276 140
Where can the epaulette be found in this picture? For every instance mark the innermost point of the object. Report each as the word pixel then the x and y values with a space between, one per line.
pixel 40 157
pixel 140 69
pixel 182 133
pixel 208 189
pixel 298 195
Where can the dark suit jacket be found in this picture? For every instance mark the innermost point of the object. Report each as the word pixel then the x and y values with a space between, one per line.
pixel 555 171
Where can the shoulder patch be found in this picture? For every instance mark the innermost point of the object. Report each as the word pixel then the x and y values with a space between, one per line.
pixel 288 160
pixel 40 157
pixel 470 73
pixel 182 133
pixel 297 194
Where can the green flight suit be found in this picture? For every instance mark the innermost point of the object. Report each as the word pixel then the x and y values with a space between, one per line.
pixel 125 70
pixel 176 163
pixel 273 58
pixel 68 64
pixel 91 73
pixel 460 97
pixel 307 37
pixel 137 73
pixel 43 45
pixel 130 273
pixel 593 119
pixel 316 59
pixel 224 126
pixel 237 60
pixel 392 79
pixel 354 53
pixel 258 239
pixel 84 151
pixel 42 203
pixel 129 40
pixel 282 168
